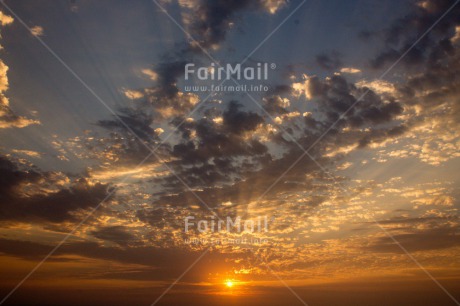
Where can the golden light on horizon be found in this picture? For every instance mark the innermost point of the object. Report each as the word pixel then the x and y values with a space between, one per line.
pixel 229 283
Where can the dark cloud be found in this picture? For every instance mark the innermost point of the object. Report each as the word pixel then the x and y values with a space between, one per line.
pixel 117 234
pixel 212 19
pixel 139 122
pixel 168 72
pixel 402 34
pixel 329 61
pixel 432 221
pixel 280 89
pixel 254 182
pixel 12 177
pixel 433 65
pixel 437 85
pixel 238 122
pixel 211 152
pixel 130 139
pixel 335 95
pixel 24 196
pixel 275 105
pixel 8 119
pixel 167 263
pixel 418 233
pixel 434 239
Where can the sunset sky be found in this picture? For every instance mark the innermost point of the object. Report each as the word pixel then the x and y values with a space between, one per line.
pixel 351 152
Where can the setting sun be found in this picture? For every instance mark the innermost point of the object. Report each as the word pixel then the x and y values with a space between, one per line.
pixel 229 283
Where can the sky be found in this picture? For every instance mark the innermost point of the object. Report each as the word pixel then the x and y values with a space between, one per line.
pixel 116 165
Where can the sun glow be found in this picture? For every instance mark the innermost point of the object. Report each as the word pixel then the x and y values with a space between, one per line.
pixel 229 283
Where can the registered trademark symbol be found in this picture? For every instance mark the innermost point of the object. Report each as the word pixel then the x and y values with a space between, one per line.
pixel 273 66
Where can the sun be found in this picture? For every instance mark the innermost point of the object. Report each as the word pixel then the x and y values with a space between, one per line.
pixel 229 283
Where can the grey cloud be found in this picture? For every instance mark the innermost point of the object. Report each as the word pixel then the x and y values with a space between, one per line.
pixel 434 239
pixel 56 206
pixel 117 234
pixel 212 19
pixel 329 61
pixel 166 263
pixel 401 35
